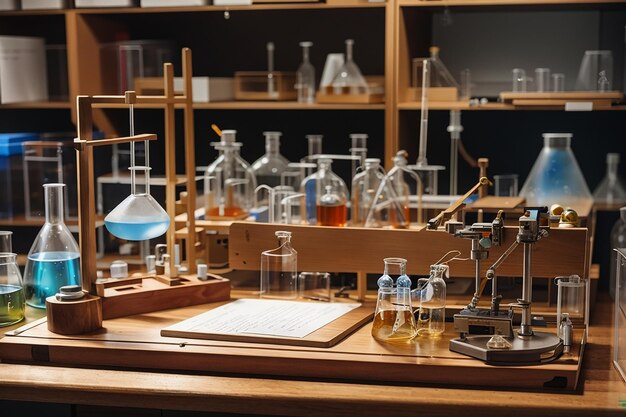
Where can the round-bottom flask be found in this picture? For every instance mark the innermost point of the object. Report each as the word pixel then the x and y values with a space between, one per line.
pixel 54 258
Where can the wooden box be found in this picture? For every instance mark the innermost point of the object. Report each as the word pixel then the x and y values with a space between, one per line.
pixel 253 85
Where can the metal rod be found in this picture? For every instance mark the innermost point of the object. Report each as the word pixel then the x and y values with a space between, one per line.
pixel 455 130
pixel 527 285
pixel 421 159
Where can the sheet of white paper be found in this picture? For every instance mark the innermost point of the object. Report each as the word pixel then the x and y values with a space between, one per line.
pixel 266 317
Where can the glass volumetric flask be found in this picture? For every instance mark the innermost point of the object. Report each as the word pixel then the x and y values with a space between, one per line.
pixel 364 187
pixel 349 79
pixel 279 269
pixel 54 258
pixel 432 312
pixel 305 76
pixel 272 164
pixel 611 190
pixel 229 181
pixel 393 319
pixel 556 178
pixel 314 186
pixel 139 216
pixel 12 302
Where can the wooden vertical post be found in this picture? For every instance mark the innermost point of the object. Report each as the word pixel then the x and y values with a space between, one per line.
pixel 361 285
pixel 170 162
pixel 190 162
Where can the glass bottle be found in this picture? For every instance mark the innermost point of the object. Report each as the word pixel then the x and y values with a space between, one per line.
pixel 349 79
pixel 618 240
pixel 432 313
pixel 279 269
pixel 229 182
pixel 394 320
pixel 12 302
pixel 611 190
pixel 334 211
pixel 556 178
pixel 54 258
pixel 270 166
pixel 305 76
pixel 364 187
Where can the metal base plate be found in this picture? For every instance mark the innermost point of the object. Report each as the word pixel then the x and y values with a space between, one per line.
pixel 534 350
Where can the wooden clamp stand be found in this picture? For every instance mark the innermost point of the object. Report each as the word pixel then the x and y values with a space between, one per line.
pixel 145 293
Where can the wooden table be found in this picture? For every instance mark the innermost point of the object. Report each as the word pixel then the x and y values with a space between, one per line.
pixel 600 392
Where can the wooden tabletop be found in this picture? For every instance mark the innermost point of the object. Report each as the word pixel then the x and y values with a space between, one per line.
pixel 601 391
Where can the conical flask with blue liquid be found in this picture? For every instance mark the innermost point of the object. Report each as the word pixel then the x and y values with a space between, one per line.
pixel 54 258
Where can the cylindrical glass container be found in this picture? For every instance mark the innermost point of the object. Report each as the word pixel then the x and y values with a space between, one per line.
pixel 519 80
pixel 279 269
pixel 432 312
pixel 571 299
pixel 12 303
pixel 269 167
pixel 542 79
pixel 54 258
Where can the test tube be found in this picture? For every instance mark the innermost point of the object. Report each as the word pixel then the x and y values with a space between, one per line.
pixel 519 80
pixel 558 82
pixel 466 84
pixel 542 78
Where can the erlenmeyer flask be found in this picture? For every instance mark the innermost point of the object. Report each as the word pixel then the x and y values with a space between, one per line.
pixel 611 190
pixel 592 64
pixel 139 216
pixel 305 76
pixel 364 187
pixel 349 79
pixel 270 166
pixel 12 303
pixel 279 269
pixel 53 260
pixel 313 188
pixel 432 313
pixel 556 178
pixel 394 320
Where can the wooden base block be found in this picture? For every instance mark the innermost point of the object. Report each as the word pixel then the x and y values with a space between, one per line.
pixel 74 317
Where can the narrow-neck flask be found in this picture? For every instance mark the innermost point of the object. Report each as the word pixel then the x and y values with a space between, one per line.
pixel 54 258
pixel 270 166
pixel 229 182
pixel 432 313
pixel 393 319
pixel 611 191
pixel 279 269
pixel 364 187
pixel 618 240
pixel 556 178
pixel 12 303
pixel 315 186
pixel 349 79
pixel 305 76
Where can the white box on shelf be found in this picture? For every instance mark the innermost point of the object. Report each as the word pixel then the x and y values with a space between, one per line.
pixel 174 3
pixel 231 2
pixel 105 3
pixel 8 5
pixel 44 4
pixel 208 89
pixel 22 69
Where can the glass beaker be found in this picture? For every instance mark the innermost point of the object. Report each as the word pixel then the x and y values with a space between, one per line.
pixel 431 320
pixel 305 76
pixel 558 82
pixel 349 79
pixel 279 269
pixel 519 80
pixel 556 178
pixel 542 79
pixel 270 166
pixel 364 187
pixel 314 286
pixel 393 319
pixel 505 185
pixel 571 299
pixel 12 302
pixel 611 190
pixel 618 241
pixel 54 259
pixel 592 64
pixel 229 181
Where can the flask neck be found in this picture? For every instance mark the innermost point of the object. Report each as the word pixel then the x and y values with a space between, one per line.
pixel 349 44
pixel 272 145
pixel 54 203
pixel 305 54
pixel 315 144
pixel 437 271
pixel 395 266
pixel 611 169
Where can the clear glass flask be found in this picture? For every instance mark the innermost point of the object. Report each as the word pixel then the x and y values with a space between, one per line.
pixel 349 79
pixel 556 178
pixel 394 320
pixel 279 269
pixel 571 299
pixel 229 181
pixel 332 207
pixel 12 302
pixel 364 187
pixel 611 190
pixel 432 312
pixel 592 64
pixel 54 258
pixel 305 76
pixel 269 167
pixel 618 240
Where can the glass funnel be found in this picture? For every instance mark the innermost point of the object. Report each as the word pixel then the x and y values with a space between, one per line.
pixel 305 76
pixel 611 190
pixel 53 260
pixel 364 187
pixel 269 167
pixel 349 79
pixel 12 302
pixel 229 182
pixel 592 65
pixel 556 178
pixel 432 313
pixel 393 319
pixel 279 269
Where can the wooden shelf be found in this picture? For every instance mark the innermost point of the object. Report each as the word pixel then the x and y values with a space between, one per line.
pixel 34 105
pixel 455 105
pixel 445 3
pixel 257 105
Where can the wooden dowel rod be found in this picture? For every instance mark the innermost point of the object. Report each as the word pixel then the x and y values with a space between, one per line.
pixel 125 139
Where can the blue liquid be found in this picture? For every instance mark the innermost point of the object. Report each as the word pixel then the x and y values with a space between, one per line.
pixel 46 272
pixel 137 231
pixel 311 201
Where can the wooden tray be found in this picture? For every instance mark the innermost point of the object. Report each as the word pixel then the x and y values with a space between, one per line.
pixel 598 99
pixel 135 342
